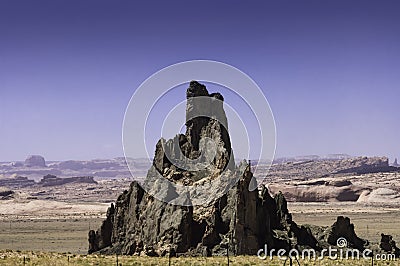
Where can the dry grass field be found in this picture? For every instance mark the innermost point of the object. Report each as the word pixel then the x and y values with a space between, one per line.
pixel 56 235
pixel 53 226
pixel 60 237
pixel 61 259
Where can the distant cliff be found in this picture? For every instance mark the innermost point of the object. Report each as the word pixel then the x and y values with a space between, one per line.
pixel 51 180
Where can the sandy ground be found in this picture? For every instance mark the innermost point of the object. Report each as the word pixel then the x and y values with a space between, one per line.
pixel 49 209
pixel 44 225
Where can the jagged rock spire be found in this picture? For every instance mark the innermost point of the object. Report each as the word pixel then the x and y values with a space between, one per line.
pixel 141 223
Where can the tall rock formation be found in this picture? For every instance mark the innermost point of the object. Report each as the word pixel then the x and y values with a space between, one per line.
pixel 240 220
pixel 205 120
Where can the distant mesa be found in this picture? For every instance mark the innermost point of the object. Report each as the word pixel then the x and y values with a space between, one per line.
pixel 17 182
pixel 52 180
pixel 364 165
pixel 35 167
pixel 302 158
pixel 72 165
pixel 35 161
pixel 89 165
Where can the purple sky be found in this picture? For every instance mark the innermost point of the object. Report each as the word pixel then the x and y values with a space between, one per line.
pixel 329 69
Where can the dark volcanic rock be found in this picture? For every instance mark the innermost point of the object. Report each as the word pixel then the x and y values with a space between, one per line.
pixel 205 119
pixel 343 228
pixel 139 223
pixel 240 220
pixel 102 237
pixel 144 225
pixel 389 245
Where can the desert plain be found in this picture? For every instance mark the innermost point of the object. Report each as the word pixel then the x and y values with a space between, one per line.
pixel 52 218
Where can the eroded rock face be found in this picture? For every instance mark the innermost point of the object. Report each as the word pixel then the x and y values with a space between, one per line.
pixel 319 191
pixel 240 220
pixel 363 165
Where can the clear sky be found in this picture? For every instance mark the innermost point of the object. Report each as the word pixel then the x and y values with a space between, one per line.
pixel 329 69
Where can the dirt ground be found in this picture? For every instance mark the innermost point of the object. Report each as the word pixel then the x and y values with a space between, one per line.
pixel 64 227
